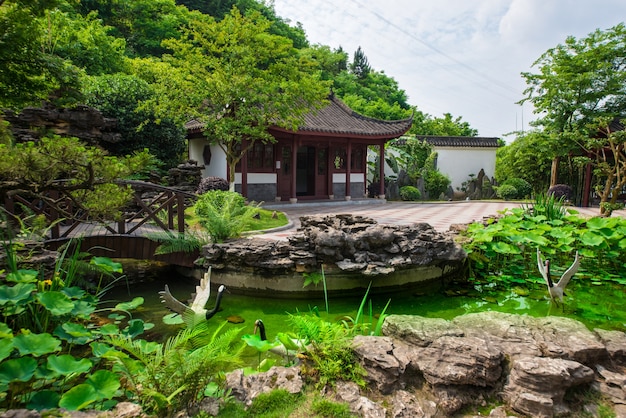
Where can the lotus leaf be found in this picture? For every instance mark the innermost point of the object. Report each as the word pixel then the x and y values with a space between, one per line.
pixel 20 369
pixel 16 294
pixel 109 329
pixel 67 364
pixel 255 341
pixel 591 239
pixel 6 346
pixel 83 309
pixel 44 399
pixel 74 292
pixel 79 397
pixel 5 331
pixel 56 302
pixel 36 344
pixel 106 264
pixel 135 327
pixel 23 276
pixel 128 306
pixel 73 333
pixel 105 383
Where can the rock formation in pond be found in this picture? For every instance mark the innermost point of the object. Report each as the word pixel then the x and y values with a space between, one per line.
pixel 345 243
pixel 431 367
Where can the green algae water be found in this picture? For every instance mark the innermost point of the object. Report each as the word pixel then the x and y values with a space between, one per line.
pixel 596 305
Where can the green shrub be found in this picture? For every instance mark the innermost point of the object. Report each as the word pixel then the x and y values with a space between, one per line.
pixel 436 183
pixel 507 192
pixel 411 193
pixel 522 186
pixel 223 214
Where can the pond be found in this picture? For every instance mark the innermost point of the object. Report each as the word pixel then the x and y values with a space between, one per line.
pixel 597 306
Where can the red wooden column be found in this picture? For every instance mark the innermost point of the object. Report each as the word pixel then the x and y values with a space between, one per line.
pixel 294 163
pixel 348 168
pixel 381 168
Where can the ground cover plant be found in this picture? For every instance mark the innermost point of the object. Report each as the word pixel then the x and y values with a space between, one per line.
pixel 502 252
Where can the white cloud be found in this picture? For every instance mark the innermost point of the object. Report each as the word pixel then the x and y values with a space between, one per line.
pixel 456 56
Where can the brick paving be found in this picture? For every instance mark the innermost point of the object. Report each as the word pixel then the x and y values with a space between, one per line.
pixel 439 215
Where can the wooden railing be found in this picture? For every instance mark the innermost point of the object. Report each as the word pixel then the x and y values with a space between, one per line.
pixel 160 207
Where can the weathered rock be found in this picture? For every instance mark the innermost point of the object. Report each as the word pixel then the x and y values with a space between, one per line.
pixel 362 406
pixel 406 405
pixel 460 361
pixel 352 244
pixel 384 360
pixel 246 388
pixel 615 343
pixel 417 330
pixel 612 384
pixel 537 385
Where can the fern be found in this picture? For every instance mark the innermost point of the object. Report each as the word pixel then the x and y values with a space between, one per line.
pixel 171 376
pixel 179 243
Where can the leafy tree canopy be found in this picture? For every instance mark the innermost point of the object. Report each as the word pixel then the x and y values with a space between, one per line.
pixel 238 79
pixel 85 174
pixel 580 80
pixel 118 96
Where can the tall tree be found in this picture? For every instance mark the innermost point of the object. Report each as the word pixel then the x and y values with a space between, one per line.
pixel 578 84
pixel 238 80
pixel 360 66
pixel 28 75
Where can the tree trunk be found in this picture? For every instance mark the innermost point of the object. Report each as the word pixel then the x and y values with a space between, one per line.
pixel 554 171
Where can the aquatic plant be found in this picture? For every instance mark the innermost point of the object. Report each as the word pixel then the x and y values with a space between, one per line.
pixel 45 338
pixel 504 250
pixel 172 376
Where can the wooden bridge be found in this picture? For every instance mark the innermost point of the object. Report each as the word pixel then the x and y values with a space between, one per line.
pixel 155 210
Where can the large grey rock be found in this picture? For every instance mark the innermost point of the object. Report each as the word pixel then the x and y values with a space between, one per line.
pixel 537 385
pixel 418 330
pixel 615 343
pixel 460 361
pixel 384 360
pixel 247 388
pixel 406 405
pixel 351 244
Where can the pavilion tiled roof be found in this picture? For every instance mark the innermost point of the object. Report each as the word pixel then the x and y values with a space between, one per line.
pixel 456 141
pixel 337 119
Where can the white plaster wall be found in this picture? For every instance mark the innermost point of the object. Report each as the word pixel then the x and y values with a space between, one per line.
pixel 257 178
pixel 354 177
pixel 459 163
pixel 218 167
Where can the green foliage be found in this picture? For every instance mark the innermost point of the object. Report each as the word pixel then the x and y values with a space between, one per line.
pixel 45 320
pixel 522 187
pixel 528 157
pixel 83 172
pixel 325 408
pixel 410 193
pixel 330 349
pixel 507 192
pixel 85 42
pixel 223 214
pixel 277 403
pixel 548 205
pixel 237 79
pixel 436 183
pixel 504 251
pixel 172 376
pixel 120 96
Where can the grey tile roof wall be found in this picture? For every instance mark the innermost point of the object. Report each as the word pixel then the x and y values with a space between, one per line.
pixel 456 141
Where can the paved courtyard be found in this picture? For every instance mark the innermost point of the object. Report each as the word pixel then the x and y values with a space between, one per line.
pixel 439 215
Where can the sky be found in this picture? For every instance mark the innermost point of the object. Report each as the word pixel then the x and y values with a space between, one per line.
pixel 463 57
